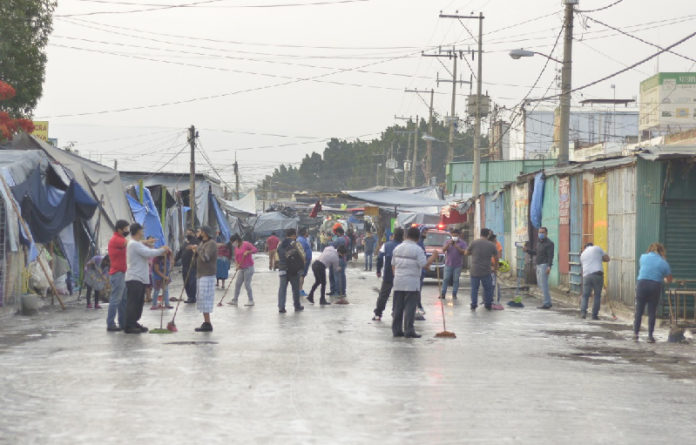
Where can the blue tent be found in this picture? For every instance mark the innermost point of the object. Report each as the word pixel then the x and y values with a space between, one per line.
pixel 146 214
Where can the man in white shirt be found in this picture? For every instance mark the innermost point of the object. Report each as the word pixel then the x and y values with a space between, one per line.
pixel 327 260
pixel 591 261
pixel 138 276
pixel 408 261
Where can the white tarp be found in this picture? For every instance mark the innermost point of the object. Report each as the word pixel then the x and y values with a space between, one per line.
pixel 244 206
pixel 396 198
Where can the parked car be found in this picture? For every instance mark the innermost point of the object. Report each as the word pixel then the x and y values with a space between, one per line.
pixel 434 240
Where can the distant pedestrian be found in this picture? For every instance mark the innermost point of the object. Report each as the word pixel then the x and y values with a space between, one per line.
pixel 329 258
pixel 188 265
pixel 290 265
pixel 482 252
pixel 544 262
pixel 161 277
pixel 654 271
pixel 408 262
pixel 369 243
pixel 591 261
pixel 222 264
pixel 272 243
pixel 117 277
pixel 494 275
pixel 96 279
pixel 206 263
pixel 304 242
pixel 244 258
pixel 339 274
pixel 137 276
pixel 384 259
pixel 454 250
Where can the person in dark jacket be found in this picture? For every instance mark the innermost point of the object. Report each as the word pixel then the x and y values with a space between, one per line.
pixel 188 266
pixel 384 259
pixel 284 251
pixel 544 262
pixel 206 265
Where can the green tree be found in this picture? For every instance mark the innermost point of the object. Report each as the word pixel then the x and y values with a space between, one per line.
pixel 24 29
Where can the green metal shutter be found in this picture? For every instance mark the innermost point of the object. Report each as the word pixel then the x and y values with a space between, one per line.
pixel 680 238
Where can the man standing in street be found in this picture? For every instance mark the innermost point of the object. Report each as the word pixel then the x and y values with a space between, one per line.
pixel 206 267
pixel 327 259
pixel 290 266
pixel 454 249
pixel 384 259
pixel 591 261
pixel 408 262
pixel 272 248
pixel 304 242
pixel 369 244
pixel 544 262
pixel 138 276
pixel 117 277
pixel 482 251
pixel 188 266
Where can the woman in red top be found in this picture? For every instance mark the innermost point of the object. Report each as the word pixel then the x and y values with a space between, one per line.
pixel 224 255
pixel 243 256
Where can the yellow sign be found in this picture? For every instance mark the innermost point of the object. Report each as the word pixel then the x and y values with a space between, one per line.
pixel 41 130
pixel 371 211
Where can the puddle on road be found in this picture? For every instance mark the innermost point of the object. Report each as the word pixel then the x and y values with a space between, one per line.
pixel 606 335
pixel 202 342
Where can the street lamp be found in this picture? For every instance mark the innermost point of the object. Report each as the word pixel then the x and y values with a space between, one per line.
pixel 566 74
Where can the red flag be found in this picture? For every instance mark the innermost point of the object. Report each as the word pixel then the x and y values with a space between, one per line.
pixel 315 211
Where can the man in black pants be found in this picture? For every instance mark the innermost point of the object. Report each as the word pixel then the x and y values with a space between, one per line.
pixel 188 266
pixel 384 259
pixel 138 276
pixel 327 259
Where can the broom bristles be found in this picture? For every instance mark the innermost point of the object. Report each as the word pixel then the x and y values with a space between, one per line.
pixel 445 334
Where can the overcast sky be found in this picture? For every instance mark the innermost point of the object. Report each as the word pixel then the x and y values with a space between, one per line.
pixel 272 83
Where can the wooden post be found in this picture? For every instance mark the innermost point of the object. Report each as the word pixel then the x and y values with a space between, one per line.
pixel 31 239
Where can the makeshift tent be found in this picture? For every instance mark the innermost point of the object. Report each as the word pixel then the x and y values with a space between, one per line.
pixel 145 213
pixel 274 222
pixel 406 219
pixel 242 207
pixel 396 198
pixel 101 182
pixel 537 200
pixel 222 223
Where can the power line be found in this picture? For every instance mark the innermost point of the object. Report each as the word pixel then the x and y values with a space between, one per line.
pixel 602 8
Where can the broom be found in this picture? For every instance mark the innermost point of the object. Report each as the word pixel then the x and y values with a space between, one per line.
pixel 611 306
pixel 228 287
pixel 161 330
pixel 171 326
pixel 445 333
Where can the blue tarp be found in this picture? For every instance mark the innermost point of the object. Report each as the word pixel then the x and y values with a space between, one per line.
pixel 223 226
pixel 46 212
pixel 146 214
pixel 537 200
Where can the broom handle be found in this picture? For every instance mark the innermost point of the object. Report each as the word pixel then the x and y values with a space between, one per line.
pixel 228 286
pixel 439 290
pixel 181 295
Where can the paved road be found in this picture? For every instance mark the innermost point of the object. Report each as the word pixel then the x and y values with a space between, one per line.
pixel 332 376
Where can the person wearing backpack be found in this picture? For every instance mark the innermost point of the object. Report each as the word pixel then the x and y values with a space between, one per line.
pixel 291 263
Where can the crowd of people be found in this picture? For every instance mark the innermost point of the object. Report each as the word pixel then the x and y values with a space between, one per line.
pixel 135 267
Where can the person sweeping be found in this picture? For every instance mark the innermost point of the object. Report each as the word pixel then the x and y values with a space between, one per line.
pixel 206 264
pixel 243 255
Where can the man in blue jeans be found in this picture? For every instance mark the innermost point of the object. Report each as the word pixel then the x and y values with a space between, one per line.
pixel 544 261
pixel 454 249
pixel 289 276
pixel 482 252
pixel 369 244
pixel 117 277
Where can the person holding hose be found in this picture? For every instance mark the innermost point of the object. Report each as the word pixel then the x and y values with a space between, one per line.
pixel 654 271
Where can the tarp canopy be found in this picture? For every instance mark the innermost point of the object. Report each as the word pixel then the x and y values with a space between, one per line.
pixel 406 219
pixel 396 198
pixel 223 225
pixel 146 214
pixel 48 210
pixel 98 180
pixel 242 207
pixel 274 222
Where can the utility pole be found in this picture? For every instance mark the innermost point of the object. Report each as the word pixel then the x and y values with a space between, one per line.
pixel 192 179
pixel 115 164
pixel 475 187
pixel 451 54
pixel 236 177
pixel 566 74
pixel 429 143
pixel 415 152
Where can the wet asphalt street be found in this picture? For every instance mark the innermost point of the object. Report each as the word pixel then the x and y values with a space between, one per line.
pixel 330 375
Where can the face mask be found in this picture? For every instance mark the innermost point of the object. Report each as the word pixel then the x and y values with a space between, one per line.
pixel 190 237
pixel 542 236
pixel 455 238
pixel 200 237
pixel 125 234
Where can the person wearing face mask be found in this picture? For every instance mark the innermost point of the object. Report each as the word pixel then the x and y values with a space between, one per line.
pixel 454 249
pixel 117 277
pixel 544 261
pixel 188 266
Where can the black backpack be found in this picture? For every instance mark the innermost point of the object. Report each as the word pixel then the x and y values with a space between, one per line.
pixel 294 260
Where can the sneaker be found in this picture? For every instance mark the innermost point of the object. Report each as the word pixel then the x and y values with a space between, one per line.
pixel 190 301
pixel 205 327
pixel 135 330
pixel 89 305
pixel 97 306
pixel 635 336
pixel 544 306
pixel 113 328
pixel 413 335
pixel 233 302
pixel 399 334
pixel 377 318
pixel 651 339
pixel 488 307
pixel 583 315
pixel 303 293
pixel 250 303
pixel 299 309
pixel 473 307
pixel 441 297
pixel 595 317
pixel 324 303
pixel 142 328
pixel 282 311
pixel 454 297
pixel 310 299
pixel 169 307
pixel 154 308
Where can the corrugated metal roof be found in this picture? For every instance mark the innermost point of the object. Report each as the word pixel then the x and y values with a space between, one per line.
pixel 660 152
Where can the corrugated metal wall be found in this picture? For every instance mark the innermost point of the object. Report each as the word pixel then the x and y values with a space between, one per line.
pixel 549 219
pixel 564 227
pixel 495 216
pixel 508 251
pixel 648 209
pixel 520 216
pixel 601 210
pixel 575 279
pixel 680 219
pixel 621 188
pixel 587 208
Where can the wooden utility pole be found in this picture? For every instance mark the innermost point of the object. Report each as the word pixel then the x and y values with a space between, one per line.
pixel 429 143
pixel 415 152
pixel 192 179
